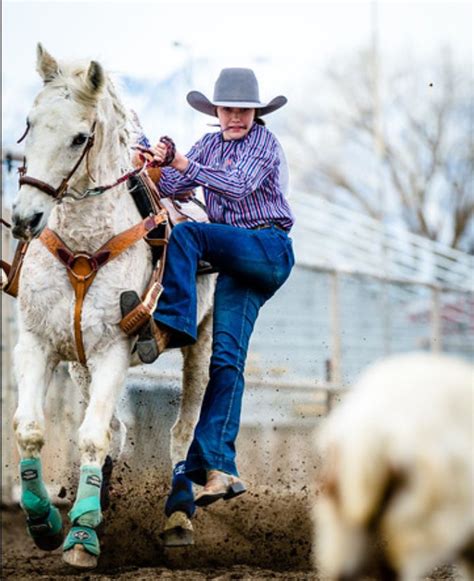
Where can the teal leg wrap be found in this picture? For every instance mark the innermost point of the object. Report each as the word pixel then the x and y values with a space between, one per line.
pixel 34 496
pixel 86 510
pixel 44 521
pixel 85 536
pixel 46 526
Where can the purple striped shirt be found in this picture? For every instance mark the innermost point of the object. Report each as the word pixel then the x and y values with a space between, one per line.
pixel 240 179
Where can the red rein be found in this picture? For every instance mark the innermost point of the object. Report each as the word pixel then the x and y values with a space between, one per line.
pixel 170 153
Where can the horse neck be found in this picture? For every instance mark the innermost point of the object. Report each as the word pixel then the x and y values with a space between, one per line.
pixel 87 224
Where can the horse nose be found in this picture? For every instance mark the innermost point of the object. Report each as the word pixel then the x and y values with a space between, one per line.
pixel 26 228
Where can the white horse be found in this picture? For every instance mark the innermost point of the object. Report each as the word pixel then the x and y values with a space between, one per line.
pixel 75 101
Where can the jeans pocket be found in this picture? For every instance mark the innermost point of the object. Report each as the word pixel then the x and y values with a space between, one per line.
pixel 281 272
pixel 273 242
pixel 285 262
pixel 276 248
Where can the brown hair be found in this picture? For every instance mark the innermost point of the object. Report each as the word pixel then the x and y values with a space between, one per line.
pixel 258 120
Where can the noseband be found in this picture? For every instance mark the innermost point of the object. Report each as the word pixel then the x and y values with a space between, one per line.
pixel 59 192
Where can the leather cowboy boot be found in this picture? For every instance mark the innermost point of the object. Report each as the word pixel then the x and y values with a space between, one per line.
pixel 219 485
pixel 152 339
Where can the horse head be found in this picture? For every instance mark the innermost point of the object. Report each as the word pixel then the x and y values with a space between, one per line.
pixel 60 127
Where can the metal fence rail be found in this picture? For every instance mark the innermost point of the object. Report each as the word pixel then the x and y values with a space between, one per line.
pixel 333 236
pixel 357 293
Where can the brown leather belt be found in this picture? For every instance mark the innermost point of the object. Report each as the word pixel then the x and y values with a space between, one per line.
pixel 270 225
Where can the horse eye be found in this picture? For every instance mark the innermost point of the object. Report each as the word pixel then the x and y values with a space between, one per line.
pixel 79 139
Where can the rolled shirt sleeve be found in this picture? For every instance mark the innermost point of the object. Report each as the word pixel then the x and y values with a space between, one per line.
pixel 174 182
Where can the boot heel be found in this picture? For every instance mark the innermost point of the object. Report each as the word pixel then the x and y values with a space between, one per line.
pixel 234 490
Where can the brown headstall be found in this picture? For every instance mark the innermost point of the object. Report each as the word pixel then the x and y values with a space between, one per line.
pixel 59 192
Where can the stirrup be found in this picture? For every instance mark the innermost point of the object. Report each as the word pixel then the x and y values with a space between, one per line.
pixel 135 312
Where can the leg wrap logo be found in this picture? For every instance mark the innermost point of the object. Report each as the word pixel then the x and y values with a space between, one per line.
pixel 94 480
pixel 29 474
pixel 81 535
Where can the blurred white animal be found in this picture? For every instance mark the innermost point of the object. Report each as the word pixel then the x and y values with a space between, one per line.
pixel 396 494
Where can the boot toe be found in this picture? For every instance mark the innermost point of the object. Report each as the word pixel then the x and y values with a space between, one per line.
pixel 128 301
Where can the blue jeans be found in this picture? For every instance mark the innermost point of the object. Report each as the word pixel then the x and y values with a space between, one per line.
pixel 252 265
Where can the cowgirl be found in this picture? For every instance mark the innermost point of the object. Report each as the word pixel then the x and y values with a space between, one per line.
pixel 247 242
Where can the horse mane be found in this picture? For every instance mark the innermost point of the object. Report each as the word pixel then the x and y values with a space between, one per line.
pixel 70 81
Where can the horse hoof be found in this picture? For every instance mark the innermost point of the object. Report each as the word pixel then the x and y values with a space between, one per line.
pixel 47 531
pixel 106 477
pixel 79 558
pixel 50 542
pixel 178 531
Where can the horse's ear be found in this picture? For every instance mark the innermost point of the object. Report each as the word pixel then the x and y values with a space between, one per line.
pixel 46 65
pixel 95 77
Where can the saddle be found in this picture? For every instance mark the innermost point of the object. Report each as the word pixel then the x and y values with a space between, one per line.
pixel 159 216
pixel 180 208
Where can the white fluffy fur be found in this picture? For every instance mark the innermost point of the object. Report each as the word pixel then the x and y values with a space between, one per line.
pixel 407 422
pixel 72 98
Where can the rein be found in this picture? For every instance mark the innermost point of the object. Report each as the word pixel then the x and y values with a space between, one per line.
pixel 170 153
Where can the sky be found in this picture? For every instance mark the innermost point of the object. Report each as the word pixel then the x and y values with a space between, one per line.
pixel 284 42
pixel 141 37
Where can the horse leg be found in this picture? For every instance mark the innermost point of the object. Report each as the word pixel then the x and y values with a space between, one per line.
pixel 34 364
pixel 180 507
pixel 82 380
pixel 108 371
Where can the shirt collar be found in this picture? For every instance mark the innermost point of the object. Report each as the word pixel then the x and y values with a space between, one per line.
pixel 242 139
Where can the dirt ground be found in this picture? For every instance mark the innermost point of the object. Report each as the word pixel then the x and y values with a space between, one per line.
pixel 22 561
pixel 243 539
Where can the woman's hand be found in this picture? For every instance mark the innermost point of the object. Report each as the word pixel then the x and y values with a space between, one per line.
pixel 137 160
pixel 180 162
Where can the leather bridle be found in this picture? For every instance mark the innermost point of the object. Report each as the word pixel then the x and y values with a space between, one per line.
pixel 59 192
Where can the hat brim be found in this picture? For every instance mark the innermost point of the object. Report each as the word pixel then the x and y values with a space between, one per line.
pixel 202 104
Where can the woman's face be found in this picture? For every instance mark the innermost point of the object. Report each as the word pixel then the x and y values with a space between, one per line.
pixel 235 121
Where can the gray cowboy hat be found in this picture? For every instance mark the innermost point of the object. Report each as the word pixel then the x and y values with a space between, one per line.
pixel 235 87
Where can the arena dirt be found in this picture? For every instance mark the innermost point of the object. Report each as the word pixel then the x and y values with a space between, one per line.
pixel 262 535
pixel 247 538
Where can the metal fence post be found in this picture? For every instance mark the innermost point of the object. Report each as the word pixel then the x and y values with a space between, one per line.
pixel 436 329
pixel 336 348
pixel 8 468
